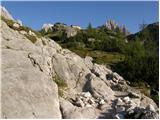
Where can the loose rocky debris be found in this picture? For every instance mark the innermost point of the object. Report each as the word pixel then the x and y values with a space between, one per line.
pixel 85 99
pixel 127 108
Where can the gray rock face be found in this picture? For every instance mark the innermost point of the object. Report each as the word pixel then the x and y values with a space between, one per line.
pixel 88 61
pixel 71 32
pixel 5 13
pixel 27 92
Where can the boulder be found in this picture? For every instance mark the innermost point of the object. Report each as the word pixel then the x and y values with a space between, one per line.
pixel 70 32
pixel 79 102
pixel 145 101
pixel 120 109
pixel 117 76
pixel 119 101
pixel 71 112
pixel 66 108
pixel 150 108
pixel 133 95
pixel 91 101
pixel 101 71
pixel 100 89
pixel 23 32
pixel 102 102
pixel 126 99
pixel 16 25
pixel 86 94
pixel 31 33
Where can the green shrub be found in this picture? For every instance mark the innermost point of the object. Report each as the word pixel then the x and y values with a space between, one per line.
pixel 8 22
pixel 62 85
pixel 33 39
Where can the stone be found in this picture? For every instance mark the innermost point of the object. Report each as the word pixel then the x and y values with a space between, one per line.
pixel 16 25
pixel 88 105
pixel 145 101
pixel 101 102
pixel 119 101
pixel 120 109
pixel 103 107
pixel 133 95
pixel 23 32
pixel 150 108
pixel 76 27
pixel 70 32
pixel 150 115
pixel 137 116
pixel 126 99
pixel 101 71
pixel 66 107
pixel 116 76
pixel 119 116
pixel 31 33
pixel 91 101
pixel 79 102
pixel 98 88
pixel 86 94
pixel 130 111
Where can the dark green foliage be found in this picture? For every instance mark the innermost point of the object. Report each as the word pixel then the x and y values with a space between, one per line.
pixel 141 64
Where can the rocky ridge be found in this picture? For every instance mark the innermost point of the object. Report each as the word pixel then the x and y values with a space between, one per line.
pixel 112 25
pixel 29 88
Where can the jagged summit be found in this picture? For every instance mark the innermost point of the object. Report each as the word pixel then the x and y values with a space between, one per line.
pixel 40 79
pixel 113 26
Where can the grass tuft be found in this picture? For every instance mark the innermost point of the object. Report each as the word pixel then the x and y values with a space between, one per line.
pixel 62 85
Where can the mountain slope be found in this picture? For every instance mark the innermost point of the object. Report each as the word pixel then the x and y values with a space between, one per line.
pixel 150 32
pixel 40 79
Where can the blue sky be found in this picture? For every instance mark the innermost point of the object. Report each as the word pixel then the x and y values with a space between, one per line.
pixel 130 14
